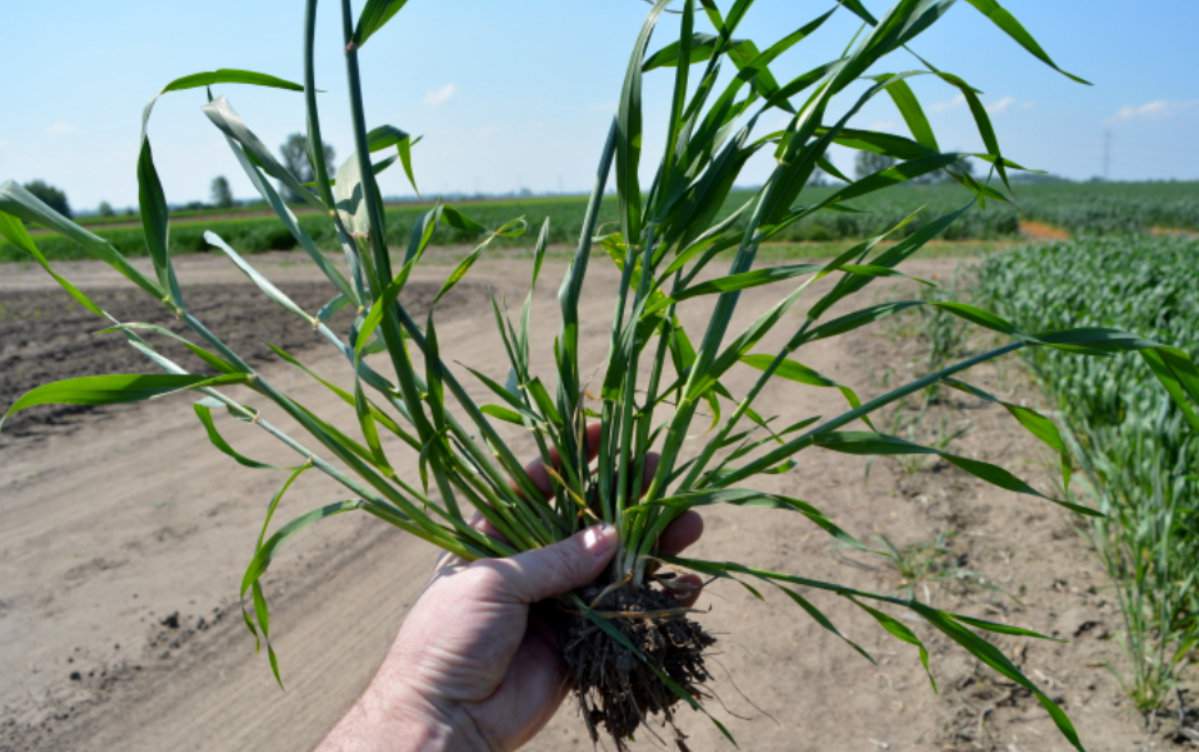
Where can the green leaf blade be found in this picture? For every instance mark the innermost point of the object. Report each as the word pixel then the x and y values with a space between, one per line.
pixel 375 15
pixel 113 389
pixel 230 76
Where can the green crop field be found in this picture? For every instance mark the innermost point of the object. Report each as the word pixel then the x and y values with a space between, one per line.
pixel 1113 207
pixel 129 216
pixel 1137 449
pixel 1079 208
pixel 256 234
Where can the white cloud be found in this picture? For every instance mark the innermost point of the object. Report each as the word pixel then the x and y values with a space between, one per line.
pixel 61 128
pixel 1009 104
pixel 439 96
pixel 946 105
pixel 1153 110
pixel 1001 105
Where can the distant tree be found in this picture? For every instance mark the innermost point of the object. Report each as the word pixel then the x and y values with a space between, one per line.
pixel 55 198
pixel 222 195
pixel 868 162
pixel 1029 178
pixel 295 158
pixel 106 210
pixel 962 166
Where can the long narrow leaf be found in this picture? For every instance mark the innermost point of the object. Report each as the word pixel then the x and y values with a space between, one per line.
pixel 374 16
pixel 859 442
pixel 114 388
pixel 1014 29
pixel 204 413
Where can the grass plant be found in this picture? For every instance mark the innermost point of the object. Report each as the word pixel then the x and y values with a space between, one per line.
pixel 920 562
pixel 657 378
pixel 944 334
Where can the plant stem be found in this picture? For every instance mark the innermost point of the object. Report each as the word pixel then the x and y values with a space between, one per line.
pixel 316 147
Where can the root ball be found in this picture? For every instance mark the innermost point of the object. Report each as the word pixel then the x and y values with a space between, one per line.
pixel 616 690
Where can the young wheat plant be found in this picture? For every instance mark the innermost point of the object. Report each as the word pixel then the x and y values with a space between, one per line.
pixel 635 652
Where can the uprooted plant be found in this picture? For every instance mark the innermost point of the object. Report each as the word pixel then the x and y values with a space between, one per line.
pixel 634 652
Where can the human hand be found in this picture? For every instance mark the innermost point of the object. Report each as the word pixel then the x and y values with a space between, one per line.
pixel 471 668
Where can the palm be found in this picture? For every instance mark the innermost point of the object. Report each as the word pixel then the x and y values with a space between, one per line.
pixel 480 651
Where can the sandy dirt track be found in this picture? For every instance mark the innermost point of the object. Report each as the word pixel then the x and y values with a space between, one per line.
pixel 124 540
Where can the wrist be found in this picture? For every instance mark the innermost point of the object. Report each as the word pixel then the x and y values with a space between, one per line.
pixel 401 719
pixel 429 724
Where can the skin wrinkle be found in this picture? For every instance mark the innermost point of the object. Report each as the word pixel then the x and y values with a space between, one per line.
pixel 459 730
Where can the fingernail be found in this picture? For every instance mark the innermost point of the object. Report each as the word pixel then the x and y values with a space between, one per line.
pixel 685 588
pixel 598 539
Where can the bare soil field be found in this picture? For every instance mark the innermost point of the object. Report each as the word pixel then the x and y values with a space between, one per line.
pixel 125 535
pixel 1034 230
pixel 44 336
pixel 1173 232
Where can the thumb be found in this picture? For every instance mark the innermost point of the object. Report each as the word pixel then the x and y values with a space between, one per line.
pixel 541 573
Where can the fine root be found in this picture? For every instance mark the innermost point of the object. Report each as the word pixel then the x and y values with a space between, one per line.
pixel 617 690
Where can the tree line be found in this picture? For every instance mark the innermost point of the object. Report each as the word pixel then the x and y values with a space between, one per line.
pixel 295 157
pixel 294 154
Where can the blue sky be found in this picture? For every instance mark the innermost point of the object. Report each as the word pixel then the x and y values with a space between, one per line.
pixel 519 93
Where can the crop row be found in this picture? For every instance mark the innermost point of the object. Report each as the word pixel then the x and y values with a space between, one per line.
pixel 1140 455
pixel 1106 208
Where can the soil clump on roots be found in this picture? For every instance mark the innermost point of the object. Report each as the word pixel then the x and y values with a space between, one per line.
pixel 617 690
